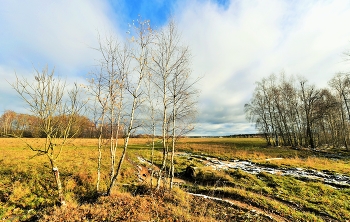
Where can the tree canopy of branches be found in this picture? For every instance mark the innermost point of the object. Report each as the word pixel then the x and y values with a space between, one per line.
pixel 294 113
pixel 55 108
pixel 153 66
pixel 171 78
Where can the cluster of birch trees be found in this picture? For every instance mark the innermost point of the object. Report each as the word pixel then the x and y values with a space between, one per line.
pixel 143 82
pixel 289 111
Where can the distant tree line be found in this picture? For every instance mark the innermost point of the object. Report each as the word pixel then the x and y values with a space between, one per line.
pixel 289 111
pixel 28 126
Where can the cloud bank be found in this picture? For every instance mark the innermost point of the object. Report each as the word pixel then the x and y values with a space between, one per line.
pixel 60 34
pixel 240 43
pixel 234 44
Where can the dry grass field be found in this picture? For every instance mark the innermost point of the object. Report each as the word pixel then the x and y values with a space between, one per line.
pixel 27 190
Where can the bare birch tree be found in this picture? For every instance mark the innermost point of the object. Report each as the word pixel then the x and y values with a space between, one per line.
pixel 341 84
pixel 107 88
pixel 163 63
pixel 171 71
pixel 99 108
pixel 6 121
pixel 183 102
pixel 139 54
pixel 49 100
pixel 151 99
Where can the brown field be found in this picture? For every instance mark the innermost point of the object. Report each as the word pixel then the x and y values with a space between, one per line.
pixel 27 190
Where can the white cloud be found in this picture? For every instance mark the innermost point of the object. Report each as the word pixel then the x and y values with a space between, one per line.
pixel 61 30
pixel 59 34
pixel 236 46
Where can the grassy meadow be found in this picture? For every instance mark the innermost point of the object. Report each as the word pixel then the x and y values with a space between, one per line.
pixel 27 187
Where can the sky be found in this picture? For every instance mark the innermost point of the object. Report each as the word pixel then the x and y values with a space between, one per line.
pixel 234 43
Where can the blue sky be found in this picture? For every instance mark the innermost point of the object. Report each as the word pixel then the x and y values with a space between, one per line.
pixel 156 11
pixel 233 42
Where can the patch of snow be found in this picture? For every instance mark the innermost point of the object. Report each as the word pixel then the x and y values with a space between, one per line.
pixel 249 167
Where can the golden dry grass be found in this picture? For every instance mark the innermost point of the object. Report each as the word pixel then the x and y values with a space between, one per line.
pixel 229 148
pixel 17 143
pixel 26 182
